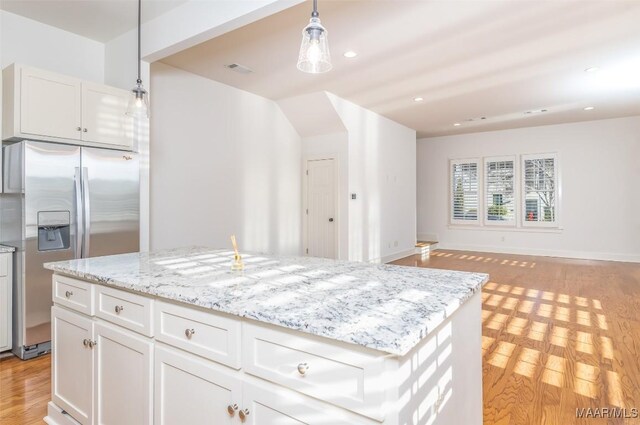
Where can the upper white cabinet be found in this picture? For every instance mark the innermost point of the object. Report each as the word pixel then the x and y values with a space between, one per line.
pixel 46 106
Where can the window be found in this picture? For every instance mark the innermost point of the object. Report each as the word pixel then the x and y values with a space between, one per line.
pixel 464 191
pixel 500 191
pixel 540 190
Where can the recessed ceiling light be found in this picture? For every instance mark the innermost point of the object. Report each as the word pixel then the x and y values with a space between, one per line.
pixel 457 124
pixel 536 111
pixel 418 99
pixel 592 69
pixel 589 108
pixel 350 54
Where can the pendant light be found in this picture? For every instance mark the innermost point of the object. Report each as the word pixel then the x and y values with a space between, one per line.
pixel 139 101
pixel 314 56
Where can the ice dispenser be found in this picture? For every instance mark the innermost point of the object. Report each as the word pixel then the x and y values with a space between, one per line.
pixel 54 230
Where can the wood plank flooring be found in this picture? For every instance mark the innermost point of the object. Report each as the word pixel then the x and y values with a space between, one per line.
pixel 558 334
pixel 25 390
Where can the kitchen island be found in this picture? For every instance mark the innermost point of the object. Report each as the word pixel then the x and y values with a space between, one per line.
pixel 177 337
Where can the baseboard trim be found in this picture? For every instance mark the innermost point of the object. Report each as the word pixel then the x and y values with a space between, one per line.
pixel 57 416
pixel 583 255
pixel 396 256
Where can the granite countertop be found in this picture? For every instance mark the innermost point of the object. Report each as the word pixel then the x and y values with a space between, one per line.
pixel 383 307
pixel 4 249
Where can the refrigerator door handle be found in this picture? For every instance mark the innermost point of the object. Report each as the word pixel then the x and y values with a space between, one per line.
pixel 79 215
pixel 87 212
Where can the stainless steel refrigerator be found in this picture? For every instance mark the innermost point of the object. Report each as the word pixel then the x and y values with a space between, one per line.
pixel 62 202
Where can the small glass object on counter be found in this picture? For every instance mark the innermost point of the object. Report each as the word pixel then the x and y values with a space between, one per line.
pixel 237 265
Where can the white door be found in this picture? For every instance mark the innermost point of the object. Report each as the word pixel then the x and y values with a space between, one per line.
pixel 72 363
pixel 104 117
pixel 190 390
pixel 321 208
pixel 264 405
pixel 50 104
pixel 123 375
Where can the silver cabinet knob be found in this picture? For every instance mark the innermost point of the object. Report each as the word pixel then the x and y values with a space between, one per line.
pixel 119 308
pixel 92 344
pixel 85 342
pixel 84 130
pixel 303 368
pixel 243 414
pixel 232 409
pixel 78 128
pixel 331 220
pixel 68 294
pixel 189 333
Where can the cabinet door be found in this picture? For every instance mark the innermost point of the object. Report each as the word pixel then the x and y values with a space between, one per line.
pixel 72 363
pixel 191 390
pixel 265 404
pixel 50 104
pixel 5 314
pixel 123 377
pixel 104 118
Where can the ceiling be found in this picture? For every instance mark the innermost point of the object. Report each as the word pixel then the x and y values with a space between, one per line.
pixel 467 59
pixel 100 20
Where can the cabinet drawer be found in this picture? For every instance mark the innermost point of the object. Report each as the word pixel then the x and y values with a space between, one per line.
pixel 4 264
pixel 209 335
pixel 352 379
pixel 74 294
pixel 125 309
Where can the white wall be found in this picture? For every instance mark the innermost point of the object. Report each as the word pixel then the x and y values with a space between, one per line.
pixel 335 145
pixel 224 161
pixel 382 173
pixel 599 204
pixel 33 43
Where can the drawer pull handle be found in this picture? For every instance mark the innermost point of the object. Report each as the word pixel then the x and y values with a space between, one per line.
pixel 303 368
pixel 85 342
pixel 243 414
pixel 189 333
pixel 232 409
pixel 68 294
pixel 119 308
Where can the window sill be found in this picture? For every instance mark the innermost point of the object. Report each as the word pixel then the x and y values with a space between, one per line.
pixel 506 228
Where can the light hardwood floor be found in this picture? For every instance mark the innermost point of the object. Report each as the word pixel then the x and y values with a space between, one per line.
pixel 558 334
pixel 25 388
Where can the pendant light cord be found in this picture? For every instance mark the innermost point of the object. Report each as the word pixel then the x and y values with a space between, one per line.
pixel 315 13
pixel 139 26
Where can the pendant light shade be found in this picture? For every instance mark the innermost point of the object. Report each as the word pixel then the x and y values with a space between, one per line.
pixel 314 56
pixel 138 106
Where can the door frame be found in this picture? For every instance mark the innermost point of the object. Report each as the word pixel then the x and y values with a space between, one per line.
pixel 305 198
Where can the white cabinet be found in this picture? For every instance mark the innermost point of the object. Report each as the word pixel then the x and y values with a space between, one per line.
pixel 268 405
pixel 123 377
pixel 46 106
pixel 5 301
pixel 49 104
pixel 72 363
pixel 103 115
pixel 127 358
pixel 191 390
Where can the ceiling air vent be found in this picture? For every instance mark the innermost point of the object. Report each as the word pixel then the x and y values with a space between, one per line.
pixel 239 68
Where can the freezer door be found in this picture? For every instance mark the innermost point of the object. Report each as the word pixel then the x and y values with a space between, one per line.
pixel 111 188
pixel 51 183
